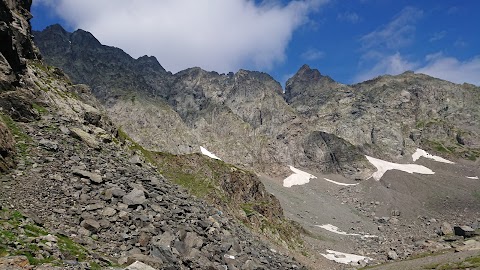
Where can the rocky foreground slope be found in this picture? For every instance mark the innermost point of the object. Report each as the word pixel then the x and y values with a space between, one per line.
pixel 77 193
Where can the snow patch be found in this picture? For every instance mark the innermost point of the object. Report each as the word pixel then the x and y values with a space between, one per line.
pixel 340 184
pixel 335 229
pixel 208 153
pixel 297 178
pixel 383 166
pixel 472 177
pixel 344 258
pixel 422 153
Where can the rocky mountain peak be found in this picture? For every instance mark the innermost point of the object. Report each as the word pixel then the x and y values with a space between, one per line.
pixel 303 79
pixel 84 38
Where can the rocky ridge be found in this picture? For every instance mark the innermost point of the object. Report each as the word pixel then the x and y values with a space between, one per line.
pixel 246 119
pixel 391 116
pixel 241 116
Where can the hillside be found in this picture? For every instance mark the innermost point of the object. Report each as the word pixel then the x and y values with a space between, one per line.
pixel 77 193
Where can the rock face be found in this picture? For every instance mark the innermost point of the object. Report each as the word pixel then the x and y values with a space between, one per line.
pixel 7 148
pixel 391 115
pixel 246 119
pixel 15 41
pixel 241 116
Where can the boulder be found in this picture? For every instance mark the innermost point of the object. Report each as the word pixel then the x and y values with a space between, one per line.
pixel 135 197
pixel 91 225
pixel 139 266
pixel 465 231
pixel 446 228
pixel 153 262
pixel 94 177
pixel 88 139
pixel 92 117
pixel 392 255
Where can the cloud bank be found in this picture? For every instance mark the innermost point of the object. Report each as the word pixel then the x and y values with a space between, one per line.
pixel 220 35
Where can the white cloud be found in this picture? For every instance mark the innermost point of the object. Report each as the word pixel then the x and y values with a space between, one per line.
pixel 436 65
pixel 451 69
pixel 312 54
pixel 350 17
pixel 399 32
pixel 221 35
pixel 392 64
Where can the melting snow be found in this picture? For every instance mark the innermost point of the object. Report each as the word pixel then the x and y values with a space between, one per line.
pixel 340 184
pixel 472 177
pixel 344 258
pixel 422 153
pixel 297 178
pixel 334 229
pixel 383 166
pixel 208 153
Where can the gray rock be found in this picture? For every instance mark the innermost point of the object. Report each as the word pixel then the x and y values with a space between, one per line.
pixel 85 137
pixel 139 266
pixel 392 255
pixel 92 117
pixel 465 231
pixel 154 262
pixel 135 197
pixel 91 225
pixel 135 159
pixel 95 206
pixel 109 211
pixel 94 177
pixel 446 228
pixel 49 145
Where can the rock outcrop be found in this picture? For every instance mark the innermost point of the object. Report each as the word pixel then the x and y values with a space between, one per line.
pixel 16 43
pixel 391 116
pixel 7 148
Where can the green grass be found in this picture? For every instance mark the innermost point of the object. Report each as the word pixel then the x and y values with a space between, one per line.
pixel 132 145
pixel 34 231
pixel 247 208
pixel 22 140
pixel 39 109
pixel 71 249
pixel 16 232
pixel 468 263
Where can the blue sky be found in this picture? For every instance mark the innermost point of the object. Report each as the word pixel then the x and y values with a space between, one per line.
pixel 350 41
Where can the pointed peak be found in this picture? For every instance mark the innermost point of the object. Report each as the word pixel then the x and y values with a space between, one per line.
pixel 84 37
pixel 150 61
pixel 305 67
pixel 307 73
pixel 56 28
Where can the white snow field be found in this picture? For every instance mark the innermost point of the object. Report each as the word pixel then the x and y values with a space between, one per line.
pixel 297 178
pixel 334 229
pixel 340 184
pixel 344 258
pixel 208 153
pixel 472 177
pixel 383 166
pixel 422 153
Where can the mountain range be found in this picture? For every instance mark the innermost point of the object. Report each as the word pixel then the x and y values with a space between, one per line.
pixel 247 119
pixel 111 162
